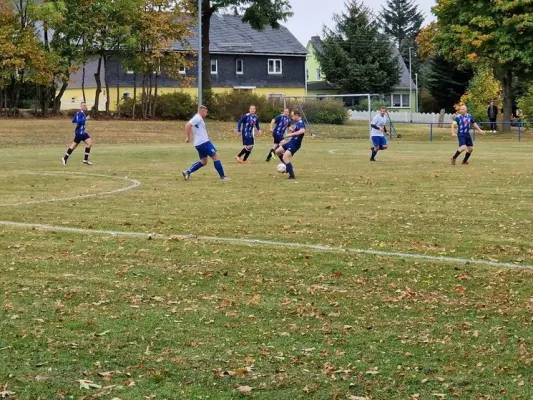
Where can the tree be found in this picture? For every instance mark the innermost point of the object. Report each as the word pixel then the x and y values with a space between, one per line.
pixel 258 13
pixel 445 81
pixel 482 89
pixel 496 34
pixel 355 56
pixel 401 20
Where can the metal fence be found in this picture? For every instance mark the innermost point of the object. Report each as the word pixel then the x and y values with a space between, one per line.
pixel 521 126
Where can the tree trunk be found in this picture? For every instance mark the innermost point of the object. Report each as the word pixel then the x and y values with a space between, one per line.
pixel 118 89
pixel 98 85
pixel 83 83
pixel 206 58
pixel 143 97
pixel 106 83
pixel 155 93
pixel 134 94
pixel 57 98
pixel 507 99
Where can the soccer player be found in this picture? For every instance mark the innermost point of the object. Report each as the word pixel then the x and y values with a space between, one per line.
pixel 203 145
pixel 377 133
pixel 245 127
pixel 292 143
pixel 80 135
pixel 278 127
pixel 462 123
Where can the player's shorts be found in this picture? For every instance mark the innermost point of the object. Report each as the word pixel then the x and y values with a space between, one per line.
pixel 248 140
pixel 465 140
pixel 379 141
pixel 277 139
pixel 81 137
pixel 292 147
pixel 206 149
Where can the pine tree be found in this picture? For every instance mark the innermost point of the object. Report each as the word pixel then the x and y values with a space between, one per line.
pixel 356 56
pixel 401 20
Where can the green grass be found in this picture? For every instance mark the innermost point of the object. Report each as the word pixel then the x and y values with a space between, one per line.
pixel 185 318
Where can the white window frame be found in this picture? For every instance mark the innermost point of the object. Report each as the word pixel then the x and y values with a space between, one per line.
pixel 318 74
pixel 391 97
pixel 274 62
pixel 241 72
pixel 408 99
pixel 182 70
pixel 215 72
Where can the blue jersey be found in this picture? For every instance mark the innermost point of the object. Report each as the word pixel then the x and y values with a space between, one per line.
pixel 79 119
pixel 464 123
pixel 282 123
pixel 247 124
pixel 299 138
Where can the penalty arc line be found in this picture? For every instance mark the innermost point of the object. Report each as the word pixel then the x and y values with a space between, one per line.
pixel 134 183
pixel 264 242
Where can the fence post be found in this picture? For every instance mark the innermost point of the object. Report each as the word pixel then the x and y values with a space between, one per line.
pixel 431 132
pixel 474 135
pixel 519 130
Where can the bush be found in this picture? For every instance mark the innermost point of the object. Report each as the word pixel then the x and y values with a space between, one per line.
pixel 230 106
pixel 525 103
pixel 178 105
pixel 363 105
pixel 327 111
pixel 428 103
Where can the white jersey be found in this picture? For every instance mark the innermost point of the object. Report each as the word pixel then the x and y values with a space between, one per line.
pixel 380 122
pixel 199 130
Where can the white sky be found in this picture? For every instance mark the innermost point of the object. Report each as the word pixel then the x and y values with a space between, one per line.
pixel 311 15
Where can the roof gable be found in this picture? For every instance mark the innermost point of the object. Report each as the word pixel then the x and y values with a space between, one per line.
pixel 228 34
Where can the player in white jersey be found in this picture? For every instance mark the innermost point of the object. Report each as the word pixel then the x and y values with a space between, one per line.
pixel 203 145
pixel 377 133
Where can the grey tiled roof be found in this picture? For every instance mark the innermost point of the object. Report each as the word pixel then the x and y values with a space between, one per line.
pixel 228 34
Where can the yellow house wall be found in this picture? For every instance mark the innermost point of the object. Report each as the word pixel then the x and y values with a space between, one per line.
pixel 72 98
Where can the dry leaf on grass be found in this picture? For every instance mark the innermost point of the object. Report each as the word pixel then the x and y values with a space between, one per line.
pixel 6 393
pixel 86 384
pixel 244 389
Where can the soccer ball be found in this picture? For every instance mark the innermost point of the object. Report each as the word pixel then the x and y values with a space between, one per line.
pixel 281 168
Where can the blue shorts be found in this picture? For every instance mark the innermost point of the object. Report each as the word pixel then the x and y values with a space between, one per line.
pixel 248 140
pixel 81 137
pixel 465 140
pixel 206 149
pixel 379 141
pixel 277 139
pixel 292 147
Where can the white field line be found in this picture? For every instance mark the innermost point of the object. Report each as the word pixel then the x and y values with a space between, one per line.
pixel 134 183
pixel 242 241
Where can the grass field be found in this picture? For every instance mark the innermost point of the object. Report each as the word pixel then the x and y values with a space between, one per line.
pixel 194 314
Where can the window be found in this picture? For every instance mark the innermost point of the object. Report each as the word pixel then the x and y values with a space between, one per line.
pixel 274 67
pixel 214 67
pixel 275 98
pixel 405 100
pixel 396 100
pixel 318 74
pixel 239 67
pixel 182 70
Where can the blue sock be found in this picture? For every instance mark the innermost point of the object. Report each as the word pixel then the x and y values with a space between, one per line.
pixel 290 170
pixel 374 152
pixel 195 167
pixel 218 167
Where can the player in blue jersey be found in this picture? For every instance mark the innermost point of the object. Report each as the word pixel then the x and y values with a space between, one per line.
pixel 292 143
pixel 203 145
pixel 278 127
pixel 377 133
pixel 246 127
pixel 462 123
pixel 80 135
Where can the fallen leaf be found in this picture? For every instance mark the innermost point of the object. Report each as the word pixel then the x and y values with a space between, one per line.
pixel 244 389
pixel 357 398
pixel 6 393
pixel 86 384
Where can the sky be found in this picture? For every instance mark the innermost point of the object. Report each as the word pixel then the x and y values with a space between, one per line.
pixel 311 15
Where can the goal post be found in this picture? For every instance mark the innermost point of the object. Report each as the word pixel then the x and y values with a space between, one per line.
pixel 327 115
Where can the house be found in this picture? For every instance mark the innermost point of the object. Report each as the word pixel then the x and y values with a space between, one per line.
pixel 317 84
pixel 269 62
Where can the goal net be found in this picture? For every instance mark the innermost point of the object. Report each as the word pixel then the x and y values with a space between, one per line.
pixel 336 116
